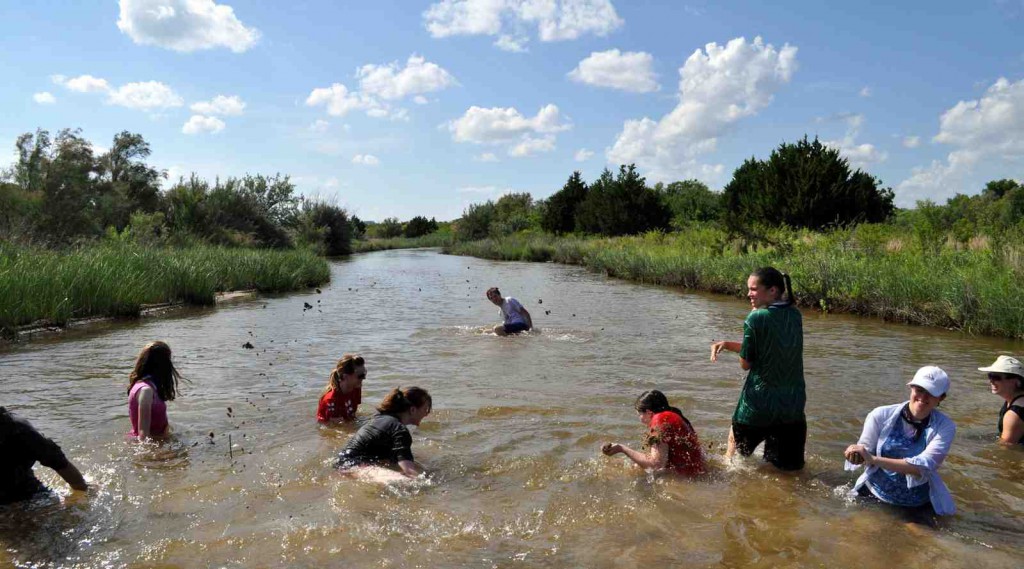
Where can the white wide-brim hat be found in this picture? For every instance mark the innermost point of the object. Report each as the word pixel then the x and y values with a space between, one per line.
pixel 1005 364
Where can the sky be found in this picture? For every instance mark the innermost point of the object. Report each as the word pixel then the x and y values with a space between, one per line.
pixel 398 108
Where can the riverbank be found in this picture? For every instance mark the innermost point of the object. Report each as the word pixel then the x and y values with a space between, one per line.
pixel 41 287
pixel 866 270
pixel 436 239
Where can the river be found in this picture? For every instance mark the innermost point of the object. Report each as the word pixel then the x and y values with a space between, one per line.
pixel 517 479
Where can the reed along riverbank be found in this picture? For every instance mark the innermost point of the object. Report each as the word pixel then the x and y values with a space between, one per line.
pixel 436 239
pixel 118 279
pixel 868 270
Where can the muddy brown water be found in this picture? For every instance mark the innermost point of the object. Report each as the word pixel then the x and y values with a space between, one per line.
pixel 512 444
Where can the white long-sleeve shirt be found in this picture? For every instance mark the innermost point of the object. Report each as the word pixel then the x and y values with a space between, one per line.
pixel 939 436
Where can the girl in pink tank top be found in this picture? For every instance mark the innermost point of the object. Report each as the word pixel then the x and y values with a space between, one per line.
pixel 152 383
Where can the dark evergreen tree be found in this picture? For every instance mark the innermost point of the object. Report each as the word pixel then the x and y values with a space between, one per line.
pixel 623 205
pixel 806 184
pixel 560 211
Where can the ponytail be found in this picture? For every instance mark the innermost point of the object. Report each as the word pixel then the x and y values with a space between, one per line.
pixel 347 364
pixel 770 277
pixel 399 400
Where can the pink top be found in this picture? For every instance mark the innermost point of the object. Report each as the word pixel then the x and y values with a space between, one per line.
pixel 157 413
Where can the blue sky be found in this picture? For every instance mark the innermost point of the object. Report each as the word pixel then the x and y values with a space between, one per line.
pixel 403 108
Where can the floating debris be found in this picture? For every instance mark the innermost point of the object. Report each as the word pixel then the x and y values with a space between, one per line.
pixel 540 301
pixel 248 346
pixel 318 292
pixel 306 306
pixel 547 312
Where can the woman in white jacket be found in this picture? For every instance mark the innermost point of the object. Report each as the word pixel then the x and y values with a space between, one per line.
pixel 904 445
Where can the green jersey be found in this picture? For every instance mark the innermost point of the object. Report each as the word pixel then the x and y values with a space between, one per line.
pixel 774 391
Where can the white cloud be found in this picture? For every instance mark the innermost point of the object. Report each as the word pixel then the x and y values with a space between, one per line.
pixel 477 189
pixel 630 71
pixel 514 44
pixel 220 105
pixel 718 86
pixel 554 19
pixel 379 84
pixel 529 146
pixel 198 124
pixel 365 160
pixel 486 157
pixel 319 125
pixel 859 155
pixel 498 125
pixel 582 155
pixel 911 141
pixel 83 83
pixel 185 25
pixel 390 82
pixel 865 92
pixel 44 98
pixel 987 136
pixel 145 96
pixel 339 101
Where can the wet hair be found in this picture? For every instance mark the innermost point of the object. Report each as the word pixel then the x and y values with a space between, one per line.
pixel 347 364
pixel 656 402
pixel 493 290
pixel 770 277
pixel 399 400
pixel 154 362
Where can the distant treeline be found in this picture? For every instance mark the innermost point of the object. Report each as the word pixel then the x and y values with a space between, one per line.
pixel 59 192
pixel 802 185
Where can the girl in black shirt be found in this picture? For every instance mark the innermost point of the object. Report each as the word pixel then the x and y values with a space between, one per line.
pixel 384 440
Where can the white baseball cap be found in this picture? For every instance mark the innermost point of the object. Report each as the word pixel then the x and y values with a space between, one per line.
pixel 1005 364
pixel 932 379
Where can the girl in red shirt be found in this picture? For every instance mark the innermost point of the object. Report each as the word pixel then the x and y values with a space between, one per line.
pixel 671 443
pixel 344 391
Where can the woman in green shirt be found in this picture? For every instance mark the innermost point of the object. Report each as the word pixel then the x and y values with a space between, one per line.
pixel 771 405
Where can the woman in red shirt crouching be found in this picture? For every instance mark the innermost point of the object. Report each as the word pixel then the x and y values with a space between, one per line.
pixel 344 391
pixel 671 443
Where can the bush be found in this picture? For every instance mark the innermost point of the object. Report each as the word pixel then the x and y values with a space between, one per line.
pixel 806 184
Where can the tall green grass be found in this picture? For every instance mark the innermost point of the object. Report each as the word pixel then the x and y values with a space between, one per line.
pixel 870 270
pixel 118 279
pixel 436 239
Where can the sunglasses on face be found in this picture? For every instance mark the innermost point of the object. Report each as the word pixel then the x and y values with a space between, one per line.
pixel 998 377
pixel 362 376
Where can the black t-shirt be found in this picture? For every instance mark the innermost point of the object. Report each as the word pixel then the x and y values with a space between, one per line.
pixel 382 440
pixel 21 445
pixel 1018 409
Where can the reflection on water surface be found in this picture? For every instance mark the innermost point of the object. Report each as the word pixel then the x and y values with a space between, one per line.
pixel 517 479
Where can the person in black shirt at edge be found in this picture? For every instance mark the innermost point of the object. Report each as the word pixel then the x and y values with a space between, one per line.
pixel 1006 379
pixel 384 441
pixel 21 445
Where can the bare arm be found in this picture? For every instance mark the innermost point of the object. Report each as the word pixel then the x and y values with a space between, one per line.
pixel 1013 429
pixel 410 468
pixel 718 347
pixel 656 458
pixel 891 464
pixel 529 320
pixel 144 399
pixel 73 477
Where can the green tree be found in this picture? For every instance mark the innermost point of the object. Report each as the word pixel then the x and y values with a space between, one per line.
pixel 691 201
pixel 512 213
pixel 358 227
pixel 324 226
pixel 389 228
pixel 69 190
pixel 475 222
pixel 419 226
pixel 560 211
pixel 806 184
pixel 622 205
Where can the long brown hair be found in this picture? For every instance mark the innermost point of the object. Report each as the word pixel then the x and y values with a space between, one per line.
pixel 347 364
pixel 154 362
pixel 399 400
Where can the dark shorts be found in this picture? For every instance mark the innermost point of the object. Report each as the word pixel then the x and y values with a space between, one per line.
pixel 516 328
pixel 783 444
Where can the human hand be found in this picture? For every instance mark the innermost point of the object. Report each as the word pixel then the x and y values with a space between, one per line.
pixel 716 348
pixel 610 449
pixel 858 454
